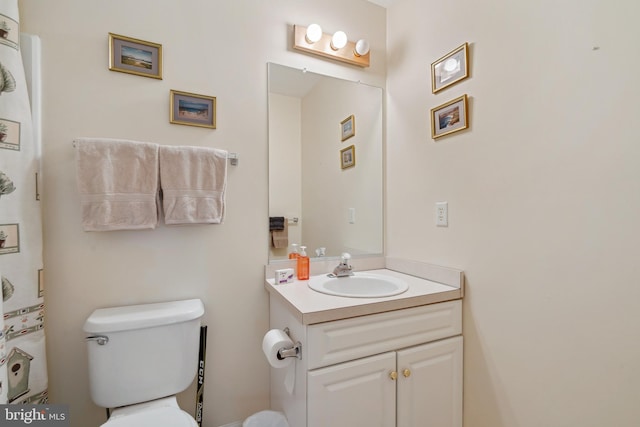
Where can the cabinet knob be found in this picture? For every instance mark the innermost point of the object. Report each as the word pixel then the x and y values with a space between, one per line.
pixel 393 375
pixel 406 373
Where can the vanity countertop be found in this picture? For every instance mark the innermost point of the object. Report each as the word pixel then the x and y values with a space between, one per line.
pixel 309 306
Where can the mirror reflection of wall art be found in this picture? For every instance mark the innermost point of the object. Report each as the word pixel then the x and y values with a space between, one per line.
pixel 450 69
pixel 9 135
pixel 9 239
pixel 133 56
pixel 348 157
pixel 193 110
pixel 348 127
pixel 450 117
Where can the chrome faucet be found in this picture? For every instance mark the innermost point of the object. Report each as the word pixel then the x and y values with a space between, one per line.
pixel 343 269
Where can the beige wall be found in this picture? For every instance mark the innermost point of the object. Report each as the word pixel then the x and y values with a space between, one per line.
pixel 217 48
pixel 544 199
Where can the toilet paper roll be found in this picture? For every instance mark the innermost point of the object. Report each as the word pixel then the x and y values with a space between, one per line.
pixel 273 341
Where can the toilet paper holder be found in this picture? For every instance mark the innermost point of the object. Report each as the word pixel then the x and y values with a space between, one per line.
pixel 295 351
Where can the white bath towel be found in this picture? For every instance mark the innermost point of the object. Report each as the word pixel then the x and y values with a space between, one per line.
pixel 193 182
pixel 118 183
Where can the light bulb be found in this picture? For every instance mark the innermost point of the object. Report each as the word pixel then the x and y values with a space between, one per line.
pixel 362 47
pixel 339 40
pixel 314 33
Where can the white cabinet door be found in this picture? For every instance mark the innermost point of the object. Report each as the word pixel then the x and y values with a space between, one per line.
pixel 430 385
pixel 351 394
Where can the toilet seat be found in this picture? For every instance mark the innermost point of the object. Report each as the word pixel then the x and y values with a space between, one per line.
pixel 158 413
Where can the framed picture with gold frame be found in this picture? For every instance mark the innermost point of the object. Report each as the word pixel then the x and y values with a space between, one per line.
pixel 450 69
pixel 193 110
pixel 348 157
pixel 133 56
pixel 450 117
pixel 348 127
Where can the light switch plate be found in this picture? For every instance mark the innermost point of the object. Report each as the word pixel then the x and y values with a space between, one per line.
pixel 352 215
pixel 442 214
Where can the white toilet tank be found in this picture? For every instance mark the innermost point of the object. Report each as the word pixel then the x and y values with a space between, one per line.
pixel 142 352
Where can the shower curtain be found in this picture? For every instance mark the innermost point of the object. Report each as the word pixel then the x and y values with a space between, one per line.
pixel 23 373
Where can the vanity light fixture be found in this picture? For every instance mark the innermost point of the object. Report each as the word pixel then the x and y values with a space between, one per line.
pixel 337 46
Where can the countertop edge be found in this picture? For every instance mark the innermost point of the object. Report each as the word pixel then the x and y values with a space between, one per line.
pixel 299 316
pixel 454 284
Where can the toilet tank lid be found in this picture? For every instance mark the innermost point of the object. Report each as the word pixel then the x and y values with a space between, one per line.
pixel 115 319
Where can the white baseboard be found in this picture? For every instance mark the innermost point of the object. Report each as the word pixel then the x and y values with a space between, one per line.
pixel 233 424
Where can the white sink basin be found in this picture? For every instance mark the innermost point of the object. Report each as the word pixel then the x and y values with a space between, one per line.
pixel 360 285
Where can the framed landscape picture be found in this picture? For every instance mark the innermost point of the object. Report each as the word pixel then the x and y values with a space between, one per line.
pixel 450 117
pixel 133 56
pixel 193 110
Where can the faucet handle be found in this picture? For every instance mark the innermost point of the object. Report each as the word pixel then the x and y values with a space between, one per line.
pixel 346 257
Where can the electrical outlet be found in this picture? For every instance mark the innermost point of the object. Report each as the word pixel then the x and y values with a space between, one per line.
pixel 442 214
pixel 352 215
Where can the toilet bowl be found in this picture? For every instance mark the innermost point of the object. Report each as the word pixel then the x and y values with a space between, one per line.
pixel 266 419
pixel 140 357
pixel 161 412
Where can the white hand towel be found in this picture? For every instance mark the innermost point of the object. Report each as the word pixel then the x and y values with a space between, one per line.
pixel 193 182
pixel 118 184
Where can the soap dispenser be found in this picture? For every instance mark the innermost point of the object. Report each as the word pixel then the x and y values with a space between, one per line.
pixel 303 264
pixel 294 251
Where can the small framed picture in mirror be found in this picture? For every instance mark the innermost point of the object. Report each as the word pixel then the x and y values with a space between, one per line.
pixel 348 157
pixel 348 127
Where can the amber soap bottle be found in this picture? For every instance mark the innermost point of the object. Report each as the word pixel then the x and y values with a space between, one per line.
pixel 303 264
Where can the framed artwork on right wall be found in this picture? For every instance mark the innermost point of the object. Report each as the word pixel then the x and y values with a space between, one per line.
pixel 450 117
pixel 450 69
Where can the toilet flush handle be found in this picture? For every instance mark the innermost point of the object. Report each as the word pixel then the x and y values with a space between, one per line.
pixel 101 339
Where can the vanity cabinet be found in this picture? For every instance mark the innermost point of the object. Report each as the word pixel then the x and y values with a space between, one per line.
pixel 415 387
pixel 358 393
pixel 400 368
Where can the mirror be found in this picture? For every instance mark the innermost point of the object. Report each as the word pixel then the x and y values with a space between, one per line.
pixel 329 190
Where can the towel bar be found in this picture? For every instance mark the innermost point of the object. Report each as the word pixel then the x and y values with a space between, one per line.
pixel 232 157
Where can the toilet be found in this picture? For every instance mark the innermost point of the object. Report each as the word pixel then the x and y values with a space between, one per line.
pixel 140 357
